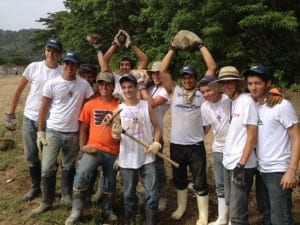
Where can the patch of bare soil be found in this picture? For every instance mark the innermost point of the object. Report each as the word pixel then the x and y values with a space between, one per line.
pixel 14 181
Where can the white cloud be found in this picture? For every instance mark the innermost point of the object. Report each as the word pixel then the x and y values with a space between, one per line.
pixel 22 14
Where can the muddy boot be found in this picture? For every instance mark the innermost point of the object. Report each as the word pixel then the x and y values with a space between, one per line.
pixel 151 216
pixel 202 202
pixel 130 216
pixel 48 193
pixel 77 208
pixel 66 187
pixel 108 213
pixel 223 213
pixel 35 175
pixel 181 204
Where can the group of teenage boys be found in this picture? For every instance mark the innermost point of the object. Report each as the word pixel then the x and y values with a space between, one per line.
pixel 64 112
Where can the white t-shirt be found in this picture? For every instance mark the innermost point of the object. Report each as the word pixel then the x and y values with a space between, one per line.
pixel 160 110
pixel 118 89
pixel 186 119
pixel 217 116
pixel 244 112
pixel 37 74
pixel 274 143
pixel 136 121
pixel 65 107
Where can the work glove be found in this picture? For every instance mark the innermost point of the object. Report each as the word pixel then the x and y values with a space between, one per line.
pixel 41 140
pixel 119 39
pixel 89 149
pixel 154 147
pixel 116 131
pixel 274 97
pixel 238 175
pixel 95 40
pixel 116 164
pixel 10 121
pixel 128 41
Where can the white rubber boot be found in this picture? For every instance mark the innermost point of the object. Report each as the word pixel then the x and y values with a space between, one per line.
pixel 223 213
pixel 202 202
pixel 181 204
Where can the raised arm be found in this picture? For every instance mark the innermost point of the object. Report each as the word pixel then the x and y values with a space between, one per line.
pixel 209 61
pixel 103 62
pixel 165 76
pixel 143 59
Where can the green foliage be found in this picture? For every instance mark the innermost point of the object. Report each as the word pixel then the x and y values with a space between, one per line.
pixel 241 33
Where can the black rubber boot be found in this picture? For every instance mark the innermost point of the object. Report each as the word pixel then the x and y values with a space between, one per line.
pixel 48 194
pixel 77 208
pixel 66 187
pixel 35 175
pixel 151 216
pixel 107 201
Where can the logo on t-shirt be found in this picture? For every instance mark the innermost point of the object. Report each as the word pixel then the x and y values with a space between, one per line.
pixel 101 116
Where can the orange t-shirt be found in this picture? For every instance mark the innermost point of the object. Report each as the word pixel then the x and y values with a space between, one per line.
pixel 95 112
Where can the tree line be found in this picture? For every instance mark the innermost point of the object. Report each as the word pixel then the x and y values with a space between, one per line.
pixel 237 32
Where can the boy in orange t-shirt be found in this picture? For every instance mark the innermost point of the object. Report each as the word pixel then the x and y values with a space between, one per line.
pixel 95 135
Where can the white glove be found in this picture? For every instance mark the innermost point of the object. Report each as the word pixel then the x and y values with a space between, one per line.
pixel 154 147
pixel 116 38
pixel 128 41
pixel 41 140
pixel 116 164
pixel 116 131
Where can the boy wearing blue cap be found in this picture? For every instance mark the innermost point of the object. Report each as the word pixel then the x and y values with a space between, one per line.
pixel 187 135
pixel 37 74
pixel 58 128
pixel 277 150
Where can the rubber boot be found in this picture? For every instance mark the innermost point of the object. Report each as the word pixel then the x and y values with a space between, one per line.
pixel 107 201
pixel 67 178
pixel 223 213
pixel 35 175
pixel 130 216
pixel 77 208
pixel 48 194
pixel 99 191
pixel 181 204
pixel 202 202
pixel 151 216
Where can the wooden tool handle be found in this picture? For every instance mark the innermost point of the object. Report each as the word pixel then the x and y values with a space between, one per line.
pixel 160 155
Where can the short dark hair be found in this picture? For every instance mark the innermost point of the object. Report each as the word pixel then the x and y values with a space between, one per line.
pixel 127 58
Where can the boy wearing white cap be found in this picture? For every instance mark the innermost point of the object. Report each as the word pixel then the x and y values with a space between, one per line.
pixel 239 158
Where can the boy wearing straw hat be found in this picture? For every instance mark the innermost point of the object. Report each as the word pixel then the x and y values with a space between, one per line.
pixel 239 158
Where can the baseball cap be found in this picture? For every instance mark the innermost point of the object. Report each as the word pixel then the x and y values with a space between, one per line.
pixel 105 76
pixel 128 77
pixel 88 68
pixel 206 80
pixel 260 70
pixel 188 70
pixel 155 66
pixel 54 43
pixel 72 57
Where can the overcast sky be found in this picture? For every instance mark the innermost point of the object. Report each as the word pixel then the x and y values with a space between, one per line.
pixel 21 14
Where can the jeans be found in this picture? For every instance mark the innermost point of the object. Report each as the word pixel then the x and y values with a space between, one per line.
pixel 273 203
pixel 218 169
pixel 31 151
pixel 161 173
pixel 238 197
pixel 68 143
pixel 87 167
pixel 130 179
pixel 193 156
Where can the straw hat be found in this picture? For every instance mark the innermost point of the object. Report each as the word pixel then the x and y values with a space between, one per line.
pixel 226 73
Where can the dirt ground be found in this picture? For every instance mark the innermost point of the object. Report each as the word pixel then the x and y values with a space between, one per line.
pixel 14 180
